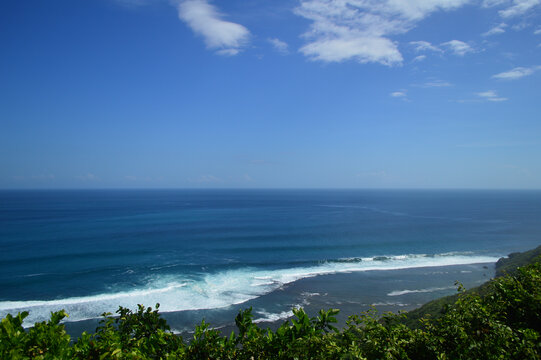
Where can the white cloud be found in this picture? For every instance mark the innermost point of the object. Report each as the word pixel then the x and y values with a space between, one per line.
pixel 228 52
pixel 360 29
pixel 491 95
pixel 516 73
pixel 519 7
pixel 492 3
pixel 521 25
pixel 537 32
pixel 458 47
pixel 424 45
pixel 362 49
pixel 398 94
pixel 419 58
pixel 433 83
pixel 279 45
pixel 226 37
pixel 416 9
pixel 488 94
pixel 498 29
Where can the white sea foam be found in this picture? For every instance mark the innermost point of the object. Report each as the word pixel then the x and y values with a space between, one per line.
pixel 34 275
pixel 389 304
pixel 273 317
pixel 404 292
pixel 176 293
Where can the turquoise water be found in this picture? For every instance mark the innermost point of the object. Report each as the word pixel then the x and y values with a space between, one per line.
pixel 201 250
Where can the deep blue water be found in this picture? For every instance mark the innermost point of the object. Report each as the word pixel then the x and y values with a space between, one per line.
pixel 90 251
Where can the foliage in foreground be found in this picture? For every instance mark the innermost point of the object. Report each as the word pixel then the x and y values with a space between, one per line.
pixel 504 266
pixel 503 324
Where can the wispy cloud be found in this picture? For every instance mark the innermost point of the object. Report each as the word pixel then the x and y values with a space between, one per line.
pixel 519 7
pixel 228 52
pixel 398 94
pixel 523 24
pixel 492 3
pixel 537 32
pixel 424 46
pixel 491 95
pixel 360 30
pixel 498 29
pixel 483 96
pixel 419 58
pixel 362 49
pixel 454 46
pixel 516 73
pixel 458 47
pixel 279 45
pixel 227 38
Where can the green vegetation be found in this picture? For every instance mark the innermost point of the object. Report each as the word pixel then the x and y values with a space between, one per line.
pixel 511 263
pixel 435 308
pixel 503 323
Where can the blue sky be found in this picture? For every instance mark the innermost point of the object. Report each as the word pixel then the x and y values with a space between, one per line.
pixel 270 94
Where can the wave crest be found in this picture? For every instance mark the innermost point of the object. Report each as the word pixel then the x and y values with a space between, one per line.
pixel 222 289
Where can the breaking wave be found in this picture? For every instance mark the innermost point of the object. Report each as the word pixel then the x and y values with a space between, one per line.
pixel 274 317
pixel 226 288
pixel 404 292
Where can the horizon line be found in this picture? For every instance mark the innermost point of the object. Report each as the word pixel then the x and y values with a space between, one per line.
pixel 271 188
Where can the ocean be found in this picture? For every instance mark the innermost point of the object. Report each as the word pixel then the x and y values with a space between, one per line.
pixel 208 253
